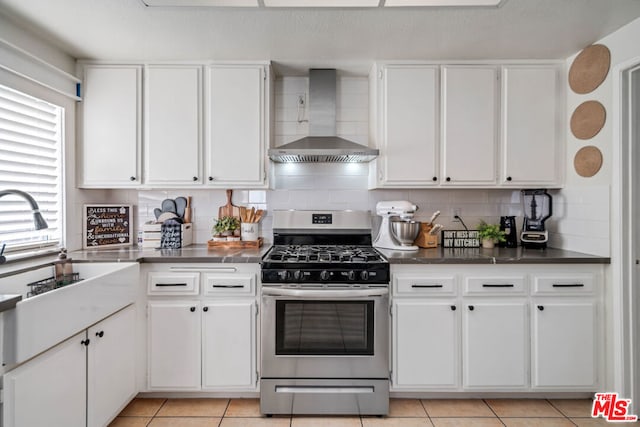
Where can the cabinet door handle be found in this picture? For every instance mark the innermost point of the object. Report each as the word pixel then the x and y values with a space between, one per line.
pixel 100 334
pixel 210 178
pixel 171 284
pixel 497 285
pixel 85 342
pixel 205 309
pixel 471 308
pixel 541 307
pixel 192 309
pixel 195 178
pixel 435 178
pixel 229 286
pixel 453 308
pixel 568 285
pixel 509 178
pixel 448 179
pixel 132 178
pixel 436 285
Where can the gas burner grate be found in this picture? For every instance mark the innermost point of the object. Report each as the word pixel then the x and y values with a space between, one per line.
pixel 324 254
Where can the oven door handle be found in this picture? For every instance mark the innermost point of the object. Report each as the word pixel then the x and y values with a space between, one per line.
pixel 322 294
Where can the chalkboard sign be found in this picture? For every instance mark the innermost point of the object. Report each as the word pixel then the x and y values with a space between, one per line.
pixel 460 239
pixel 171 236
pixel 107 225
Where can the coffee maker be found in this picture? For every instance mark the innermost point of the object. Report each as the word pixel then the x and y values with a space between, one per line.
pixel 508 225
pixel 536 206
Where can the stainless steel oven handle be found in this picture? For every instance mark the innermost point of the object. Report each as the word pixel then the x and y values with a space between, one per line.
pixel 321 294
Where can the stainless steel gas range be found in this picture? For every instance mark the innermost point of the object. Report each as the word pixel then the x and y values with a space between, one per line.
pixel 325 310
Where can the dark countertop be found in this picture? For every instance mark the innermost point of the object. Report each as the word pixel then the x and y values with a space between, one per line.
pixel 194 253
pixel 9 301
pixel 518 255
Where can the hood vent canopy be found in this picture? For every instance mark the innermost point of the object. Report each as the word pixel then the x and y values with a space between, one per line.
pixel 322 145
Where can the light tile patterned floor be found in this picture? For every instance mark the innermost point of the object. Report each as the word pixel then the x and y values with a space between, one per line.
pixel 402 413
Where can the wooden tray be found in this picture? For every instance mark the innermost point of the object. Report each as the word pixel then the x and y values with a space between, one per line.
pixel 240 244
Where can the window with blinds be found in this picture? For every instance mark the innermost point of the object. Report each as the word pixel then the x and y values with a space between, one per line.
pixel 30 152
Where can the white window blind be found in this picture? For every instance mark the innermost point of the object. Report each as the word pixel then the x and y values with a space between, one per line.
pixel 30 153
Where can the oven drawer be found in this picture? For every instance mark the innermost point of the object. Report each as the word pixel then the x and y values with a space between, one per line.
pixel 173 283
pixel 423 285
pixel 229 284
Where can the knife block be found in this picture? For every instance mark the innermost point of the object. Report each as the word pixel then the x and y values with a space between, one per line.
pixel 424 239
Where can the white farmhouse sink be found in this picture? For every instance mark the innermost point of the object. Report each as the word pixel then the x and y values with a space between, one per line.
pixel 42 321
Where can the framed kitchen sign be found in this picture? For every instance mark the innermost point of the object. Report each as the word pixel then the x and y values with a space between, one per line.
pixel 107 226
pixel 460 239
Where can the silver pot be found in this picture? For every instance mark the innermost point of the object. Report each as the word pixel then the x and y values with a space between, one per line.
pixel 405 231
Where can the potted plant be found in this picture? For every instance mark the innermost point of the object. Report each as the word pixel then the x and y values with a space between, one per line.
pixel 490 234
pixel 225 227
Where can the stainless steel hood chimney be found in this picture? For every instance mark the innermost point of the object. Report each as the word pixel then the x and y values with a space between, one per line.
pixel 322 145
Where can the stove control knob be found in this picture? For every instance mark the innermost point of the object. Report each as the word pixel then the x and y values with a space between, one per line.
pixel 298 276
pixel 351 275
pixel 284 275
pixel 364 275
pixel 324 275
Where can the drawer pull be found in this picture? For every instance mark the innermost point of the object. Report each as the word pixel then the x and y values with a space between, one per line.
pixel 229 286
pixel 216 269
pixel 453 308
pixel 497 285
pixel 471 308
pixel 170 284
pixel 568 285
pixel 437 285
pixel 541 307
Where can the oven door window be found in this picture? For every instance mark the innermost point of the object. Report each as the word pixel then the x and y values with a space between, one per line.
pixel 324 327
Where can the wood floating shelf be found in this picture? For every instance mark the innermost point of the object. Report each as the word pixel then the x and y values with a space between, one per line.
pixel 239 244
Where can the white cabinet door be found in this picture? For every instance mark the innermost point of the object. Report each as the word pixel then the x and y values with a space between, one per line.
pixel 111 366
pixel 532 126
pixel 495 345
pixel 111 126
pixel 229 345
pixel 564 351
pixel 470 112
pixel 410 133
pixel 49 390
pixel 173 125
pixel 235 140
pixel 425 344
pixel 174 345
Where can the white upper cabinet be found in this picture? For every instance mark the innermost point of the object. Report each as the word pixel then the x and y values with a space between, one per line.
pixel 173 125
pixel 111 126
pixel 236 125
pixel 408 133
pixel 532 126
pixel 470 113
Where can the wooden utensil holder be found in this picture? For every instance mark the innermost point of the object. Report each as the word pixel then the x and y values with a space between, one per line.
pixel 424 239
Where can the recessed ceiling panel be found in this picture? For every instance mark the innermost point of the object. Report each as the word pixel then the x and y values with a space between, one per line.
pixel 200 3
pixel 443 3
pixel 321 3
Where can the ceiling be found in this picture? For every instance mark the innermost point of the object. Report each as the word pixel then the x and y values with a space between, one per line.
pixel 297 39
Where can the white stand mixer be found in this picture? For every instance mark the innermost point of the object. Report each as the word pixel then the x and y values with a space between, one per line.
pixel 386 239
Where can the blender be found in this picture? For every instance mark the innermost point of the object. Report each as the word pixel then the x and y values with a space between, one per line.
pixel 536 205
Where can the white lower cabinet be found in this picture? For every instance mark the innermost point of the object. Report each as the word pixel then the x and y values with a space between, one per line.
pixel 425 344
pixel 564 352
pixel 84 381
pixel 174 345
pixel 494 345
pixel 228 345
pixel 488 328
pixel 205 341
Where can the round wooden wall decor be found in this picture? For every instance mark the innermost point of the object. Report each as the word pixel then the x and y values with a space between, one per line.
pixel 589 69
pixel 588 161
pixel 588 119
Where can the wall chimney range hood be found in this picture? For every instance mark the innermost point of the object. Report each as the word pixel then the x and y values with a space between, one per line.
pixel 322 145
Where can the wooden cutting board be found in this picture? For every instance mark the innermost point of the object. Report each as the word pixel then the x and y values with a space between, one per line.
pixel 229 209
pixel 588 161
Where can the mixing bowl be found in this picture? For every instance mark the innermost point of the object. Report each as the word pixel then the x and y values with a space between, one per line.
pixel 405 231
